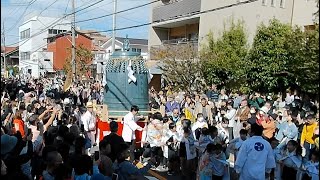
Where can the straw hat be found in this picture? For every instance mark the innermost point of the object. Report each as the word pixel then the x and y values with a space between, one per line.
pixel 89 104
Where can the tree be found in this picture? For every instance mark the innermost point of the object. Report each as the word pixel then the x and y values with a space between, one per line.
pixel 83 58
pixel 268 58
pixel 306 66
pixel 180 66
pixel 224 58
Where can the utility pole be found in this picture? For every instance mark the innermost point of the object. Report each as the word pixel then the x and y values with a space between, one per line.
pixel 114 25
pixel 4 51
pixel 73 30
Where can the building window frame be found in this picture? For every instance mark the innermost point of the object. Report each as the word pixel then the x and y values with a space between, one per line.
pixel 264 2
pixel 134 49
pixel 273 3
pixel 25 55
pixel 282 3
pixel 25 34
pixel 138 50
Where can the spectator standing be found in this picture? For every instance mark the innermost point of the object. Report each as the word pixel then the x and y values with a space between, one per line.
pixel 255 151
pixel 114 139
pixel 129 127
pixel 89 122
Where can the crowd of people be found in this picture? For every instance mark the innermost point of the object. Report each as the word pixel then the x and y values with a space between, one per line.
pixel 49 133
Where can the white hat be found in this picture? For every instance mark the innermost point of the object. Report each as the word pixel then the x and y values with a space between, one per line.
pixel 89 104
pixel 66 101
pixel 264 109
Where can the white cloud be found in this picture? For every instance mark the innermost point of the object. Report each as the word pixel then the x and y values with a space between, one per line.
pixel 11 13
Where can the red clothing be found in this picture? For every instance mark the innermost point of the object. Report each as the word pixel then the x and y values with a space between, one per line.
pixel 19 123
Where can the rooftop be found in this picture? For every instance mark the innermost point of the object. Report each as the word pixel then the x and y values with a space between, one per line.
pixel 8 49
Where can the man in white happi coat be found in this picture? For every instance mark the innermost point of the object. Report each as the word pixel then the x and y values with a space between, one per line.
pixel 255 157
pixel 88 119
pixel 129 128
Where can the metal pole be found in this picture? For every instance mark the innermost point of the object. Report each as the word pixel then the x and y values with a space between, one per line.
pixel 73 26
pixel 4 51
pixel 114 25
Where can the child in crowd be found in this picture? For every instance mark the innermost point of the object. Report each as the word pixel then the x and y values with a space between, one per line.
pixel 290 160
pixel 204 140
pixel 205 170
pixel 235 144
pixel 219 162
pixel 312 167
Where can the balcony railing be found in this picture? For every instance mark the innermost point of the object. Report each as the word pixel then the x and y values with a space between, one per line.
pixel 172 44
pixel 174 9
pixel 179 41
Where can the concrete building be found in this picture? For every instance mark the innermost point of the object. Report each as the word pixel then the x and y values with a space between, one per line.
pixel 179 21
pixel 33 33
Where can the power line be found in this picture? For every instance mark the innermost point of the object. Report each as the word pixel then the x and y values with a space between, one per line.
pixel 129 9
pixel 52 24
pixel 20 18
pixel 94 9
pixel 183 16
pixel 65 11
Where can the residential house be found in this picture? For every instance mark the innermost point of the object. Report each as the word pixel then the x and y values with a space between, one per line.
pixel 33 33
pixel 12 57
pixel 136 45
pixel 99 60
pixel 180 21
pixel 60 46
pixel 176 22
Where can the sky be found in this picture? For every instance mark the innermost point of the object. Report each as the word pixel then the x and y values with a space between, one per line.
pixel 15 12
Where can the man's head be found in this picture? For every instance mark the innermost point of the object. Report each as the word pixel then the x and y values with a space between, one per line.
pixel 230 105
pixel 134 109
pixel 244 103
pixel 243 134
pixel 104 147
pixel 256 130
pixel 268 104
pixel 124 152
pixel 33 119
pixel 310 119
pixel 89 106
pixel 170 98
pixel 213 87
pixel 113 126
pixel 175 113
pixel 203 102
pixel 54 159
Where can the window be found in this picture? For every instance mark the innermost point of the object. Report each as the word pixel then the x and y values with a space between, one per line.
pixel 134 50
pixel 138 50
pixel 282 3
pixel 273 3
pixel 59 31
pixel 25 34
pixel 25 55
pixel 264 2
pixel 50 31
pixel 55 31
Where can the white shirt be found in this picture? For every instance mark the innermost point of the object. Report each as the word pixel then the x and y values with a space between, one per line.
pixel 197 125
pixel 230 115
pixel 129 127
pixel 88 121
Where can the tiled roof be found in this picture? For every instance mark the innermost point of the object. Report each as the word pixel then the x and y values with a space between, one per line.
pixel 133 41
pixel 8 49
